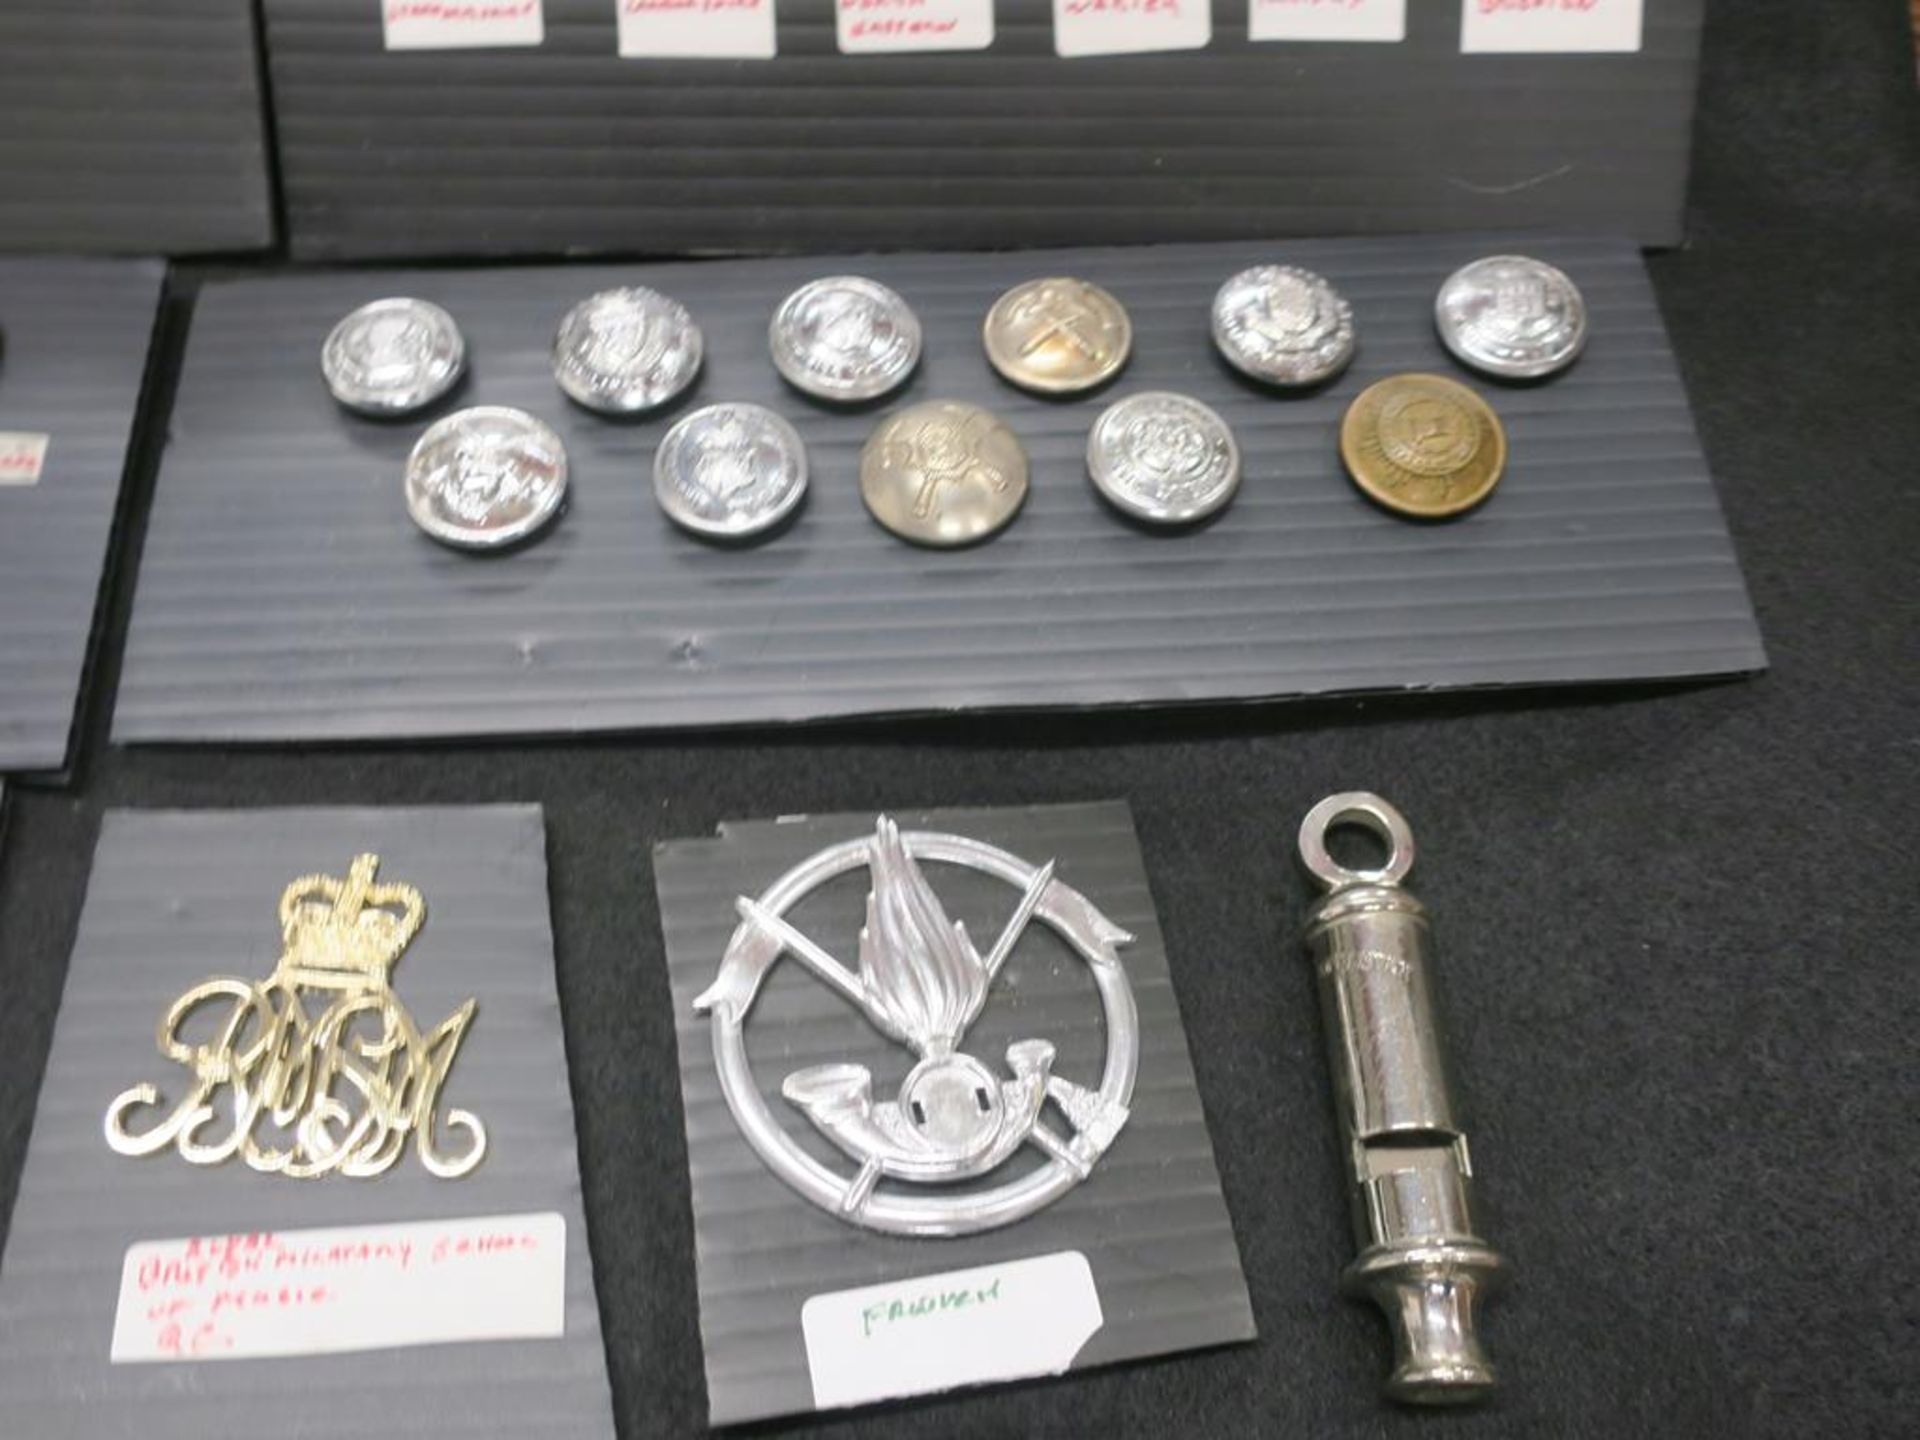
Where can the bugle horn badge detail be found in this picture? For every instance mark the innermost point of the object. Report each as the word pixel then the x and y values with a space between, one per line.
pixel 921 982
pixel 319 1068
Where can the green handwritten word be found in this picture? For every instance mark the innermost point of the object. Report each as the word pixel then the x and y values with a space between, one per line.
pixel 932 1302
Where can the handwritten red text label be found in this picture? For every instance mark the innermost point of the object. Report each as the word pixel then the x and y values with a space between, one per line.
pixel 462 24
pixel 1550 26
pixel 869 27
pixel 365 1287
pixel 1130 27
pixel 22 457
pixel 1372 20
pixel 696 29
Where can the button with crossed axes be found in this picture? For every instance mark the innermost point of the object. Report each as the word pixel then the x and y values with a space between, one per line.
pixel 1057 336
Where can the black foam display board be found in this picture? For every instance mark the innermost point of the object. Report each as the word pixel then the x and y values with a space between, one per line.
pixel 568 148
pixel 285 596
pixel 75 336
pixel 1149 1219
pixel 133 127
pixel 178 896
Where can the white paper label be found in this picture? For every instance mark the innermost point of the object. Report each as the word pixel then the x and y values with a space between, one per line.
pixel 875 27
pixel 1327 20
pixel 1548 26
pixel 913 1337
pixel 1130 27
pixel 697 29
pixel 361 1287
pixel 22 457
pixel 462 24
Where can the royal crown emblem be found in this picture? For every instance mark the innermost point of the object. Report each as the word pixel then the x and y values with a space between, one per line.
pixel 921 1159
pixel 341 1090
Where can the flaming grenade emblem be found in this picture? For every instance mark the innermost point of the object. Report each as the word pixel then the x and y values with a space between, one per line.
pixel 922 982
pixel 349 1084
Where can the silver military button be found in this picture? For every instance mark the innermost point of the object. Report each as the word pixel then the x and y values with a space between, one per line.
pixel 394 356
pixel 730 471
pixel 844 338
pixel 486 478
pixel 624 351
pixel 1163 458
pixel 1511 317
pixel 1283 325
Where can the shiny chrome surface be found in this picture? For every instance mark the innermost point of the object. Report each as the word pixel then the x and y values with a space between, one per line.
pixel 921 982
pixel 392 357
pixel 730 471
pixel 1163 458
pixel 486 478
pixel 1409 1167
pixel 1283 325
pixel 844 338
pixel 1512 317
pixel 622 352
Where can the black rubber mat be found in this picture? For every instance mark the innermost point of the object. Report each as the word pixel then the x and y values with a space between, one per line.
pixel 132 127
pixel 1149 1219
pixel 285 596
pixel 567 148
pixel 76 338
pixel 179 896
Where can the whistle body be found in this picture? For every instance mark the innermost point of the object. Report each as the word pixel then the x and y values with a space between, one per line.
pixel 1409 1169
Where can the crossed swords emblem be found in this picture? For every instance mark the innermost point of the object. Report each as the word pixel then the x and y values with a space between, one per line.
pixel 922 982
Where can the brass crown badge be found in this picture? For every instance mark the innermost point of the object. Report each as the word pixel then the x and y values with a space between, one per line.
pixel 321 1056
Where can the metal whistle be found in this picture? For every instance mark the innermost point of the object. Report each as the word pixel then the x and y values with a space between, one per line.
pixel 1420 1260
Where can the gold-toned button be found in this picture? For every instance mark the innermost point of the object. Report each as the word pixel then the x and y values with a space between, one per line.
pixel 1057 336
pixel 1423 445
pixel 942 473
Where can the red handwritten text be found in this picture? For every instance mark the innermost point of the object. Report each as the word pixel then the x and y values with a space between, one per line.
pixel 460 11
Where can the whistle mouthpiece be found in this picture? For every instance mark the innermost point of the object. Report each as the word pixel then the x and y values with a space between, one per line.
pixel 1431 1296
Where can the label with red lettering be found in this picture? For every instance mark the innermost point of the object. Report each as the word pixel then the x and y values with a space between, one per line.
pixel 462 24
pixel 1130 27
pixel 1381 20
pixel 22 457
pixel 1549 26
pixel 361 1287
pixel 874 27
pixel 696 29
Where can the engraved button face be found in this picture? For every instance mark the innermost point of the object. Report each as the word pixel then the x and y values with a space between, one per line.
pixel 624 351
pixel 485 478
pixel 1512 317
pixel 1283 325
pixel 392 357
pixel 844 338
pixel 1423 445
pixel 1163 458
pixel 730 471
pixel 1057 336
pixel 943 474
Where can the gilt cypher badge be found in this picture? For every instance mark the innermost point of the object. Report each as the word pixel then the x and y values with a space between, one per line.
pixel 319 1068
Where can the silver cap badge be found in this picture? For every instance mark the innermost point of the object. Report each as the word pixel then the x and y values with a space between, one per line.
pixel 922 982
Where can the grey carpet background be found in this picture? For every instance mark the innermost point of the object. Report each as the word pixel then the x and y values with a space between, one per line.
pixel 1675 924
